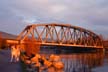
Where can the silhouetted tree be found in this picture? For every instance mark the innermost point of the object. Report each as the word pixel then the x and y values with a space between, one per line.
pixel 0 41
pixel 3 43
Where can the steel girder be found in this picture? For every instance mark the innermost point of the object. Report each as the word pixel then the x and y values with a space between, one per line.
pixel 60 34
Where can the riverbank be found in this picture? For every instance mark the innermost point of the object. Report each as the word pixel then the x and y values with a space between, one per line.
pixel 6 65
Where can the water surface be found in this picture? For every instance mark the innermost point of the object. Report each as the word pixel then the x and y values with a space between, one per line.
pixel 81 62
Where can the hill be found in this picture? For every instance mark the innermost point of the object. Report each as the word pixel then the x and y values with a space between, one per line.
pixel 5 35
pixel 105 43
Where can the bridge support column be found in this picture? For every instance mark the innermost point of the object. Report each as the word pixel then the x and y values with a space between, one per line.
pixel 30 48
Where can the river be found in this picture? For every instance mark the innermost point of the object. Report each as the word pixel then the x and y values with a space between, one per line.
pixel 82 62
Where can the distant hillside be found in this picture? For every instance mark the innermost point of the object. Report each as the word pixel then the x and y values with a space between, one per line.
pixel 5 35
pixel 105 43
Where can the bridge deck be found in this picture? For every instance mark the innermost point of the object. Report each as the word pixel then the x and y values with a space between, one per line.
pixel 55 44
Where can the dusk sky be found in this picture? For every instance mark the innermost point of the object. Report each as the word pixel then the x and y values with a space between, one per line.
pixel 89 14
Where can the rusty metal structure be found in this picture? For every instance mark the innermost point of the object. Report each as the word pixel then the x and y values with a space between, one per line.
pixel 59 34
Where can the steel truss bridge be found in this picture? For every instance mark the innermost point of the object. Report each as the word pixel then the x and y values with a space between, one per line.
pixel 59 34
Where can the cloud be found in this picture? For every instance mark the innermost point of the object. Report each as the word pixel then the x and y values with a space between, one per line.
pixel 57 8
pixel 89 14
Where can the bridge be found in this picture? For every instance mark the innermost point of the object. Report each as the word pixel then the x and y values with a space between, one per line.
pixel 59 35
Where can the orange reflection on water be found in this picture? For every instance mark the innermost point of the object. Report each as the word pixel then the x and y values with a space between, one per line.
pixel 82 62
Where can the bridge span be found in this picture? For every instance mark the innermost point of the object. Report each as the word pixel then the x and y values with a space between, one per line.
pixel 58 34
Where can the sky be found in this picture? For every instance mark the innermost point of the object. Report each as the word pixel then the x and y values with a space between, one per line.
pixel 15 15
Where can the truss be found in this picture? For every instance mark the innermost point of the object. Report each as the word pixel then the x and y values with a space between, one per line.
pixel 60 34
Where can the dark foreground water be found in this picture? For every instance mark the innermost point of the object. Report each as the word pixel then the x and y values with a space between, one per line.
pixel 82 62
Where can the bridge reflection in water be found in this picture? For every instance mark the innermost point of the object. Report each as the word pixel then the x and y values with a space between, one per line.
pixel 79 62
